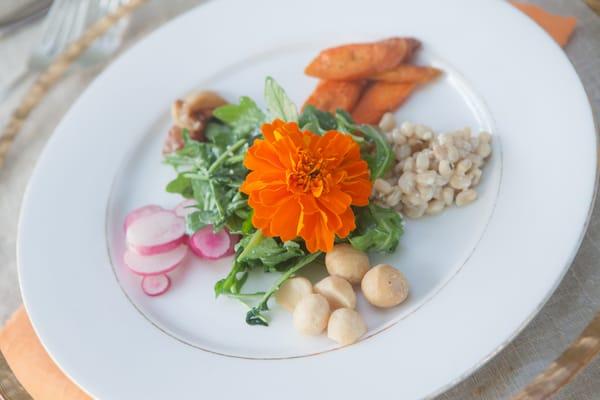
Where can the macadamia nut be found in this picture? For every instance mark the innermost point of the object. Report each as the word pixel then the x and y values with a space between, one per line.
pixel 347 262
pixel 337 291
pixel 384 286
pixel 290 293
pixel 311 314
pixel 346 326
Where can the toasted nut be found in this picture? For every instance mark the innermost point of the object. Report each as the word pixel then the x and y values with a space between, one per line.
pixel 337 291
pixel 204 100
pixel 347 262
pixel 345 326
pixel 384 286
pixel 292 291
pixel 311 314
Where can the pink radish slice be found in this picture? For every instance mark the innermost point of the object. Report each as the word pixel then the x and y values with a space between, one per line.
pixel 231 250
pixel 156 233
pixel 156 264
pixel 141 212
pixel 208 244
pixel 158 249
pixel 185 208
pixel 155 285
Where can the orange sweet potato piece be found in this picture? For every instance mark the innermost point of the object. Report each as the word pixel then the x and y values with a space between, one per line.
pixel 379 98
pixel 406 73
pixel 361 60
pixel 333 95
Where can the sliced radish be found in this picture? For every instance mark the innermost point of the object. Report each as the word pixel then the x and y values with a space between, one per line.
pixel 141 212
pixel 156 264
pixel 155 285
pixel 208 244
pixel 185 208
pixel 156 233
pixel 231 250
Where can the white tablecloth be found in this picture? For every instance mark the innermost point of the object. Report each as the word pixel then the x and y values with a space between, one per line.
pixel 560 321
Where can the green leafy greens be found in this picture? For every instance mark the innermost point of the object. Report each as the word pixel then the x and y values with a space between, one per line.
pixel 212 171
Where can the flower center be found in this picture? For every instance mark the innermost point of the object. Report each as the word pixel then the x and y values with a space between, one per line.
pixel 309 173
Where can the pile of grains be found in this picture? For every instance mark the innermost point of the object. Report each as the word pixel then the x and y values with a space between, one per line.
pixel 432 171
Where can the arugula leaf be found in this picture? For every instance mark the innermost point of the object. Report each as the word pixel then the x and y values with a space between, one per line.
pixel 254 316
pixel 243 118
pixel 181 185
pixel 278 102
pixel 219 134
pixel 271 253
pixel 377 229
pixel 380 162
pixel 316 121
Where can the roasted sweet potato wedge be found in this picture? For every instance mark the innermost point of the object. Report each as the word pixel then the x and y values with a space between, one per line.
pixel 406 73
pixel 379 98
pixel 361 60
pixel 332 95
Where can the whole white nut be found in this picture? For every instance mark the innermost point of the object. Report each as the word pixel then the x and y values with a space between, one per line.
pixel 440 152
pixel 387 122
pixel 408 165
pixel 445 169
pixel 414 211
pixel 435 207
pixel 413 199
pixel 389 137
pixel 403 151
pixel 463 166
pixel 311 314
pixel 465 197
pixel 292 291
pixel 407 182
pixel 484 149
pixel 394 198
pixel 438 193
pixel 407 129
pixel 398 137
pixel 426 192
pixel 337 291
pixel 453 154
pixel 347 262
pixel 422 162
pixel 345 326
pixel 426 178
pixel 384 286
pixel 382 186
pixel 475 175
pixel 448 195
pixel 460 182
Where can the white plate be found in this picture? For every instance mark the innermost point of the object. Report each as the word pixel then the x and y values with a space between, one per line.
pixel 478 274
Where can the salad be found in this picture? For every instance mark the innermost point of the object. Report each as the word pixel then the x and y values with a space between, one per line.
pixel 279 188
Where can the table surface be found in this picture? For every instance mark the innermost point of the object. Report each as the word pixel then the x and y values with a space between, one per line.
pixel 560 321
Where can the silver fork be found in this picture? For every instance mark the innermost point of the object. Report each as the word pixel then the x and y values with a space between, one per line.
pixel 66 21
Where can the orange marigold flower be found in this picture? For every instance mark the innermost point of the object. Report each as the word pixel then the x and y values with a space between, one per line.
pixel 303 184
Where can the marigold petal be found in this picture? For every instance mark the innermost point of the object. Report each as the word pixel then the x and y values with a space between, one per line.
pixel 286 219
pixel 348 223
pixel 358 190
pixel 315 233
pixel 273 195
pixel 336 201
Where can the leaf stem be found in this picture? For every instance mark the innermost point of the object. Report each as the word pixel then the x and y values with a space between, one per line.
pixel 227 153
